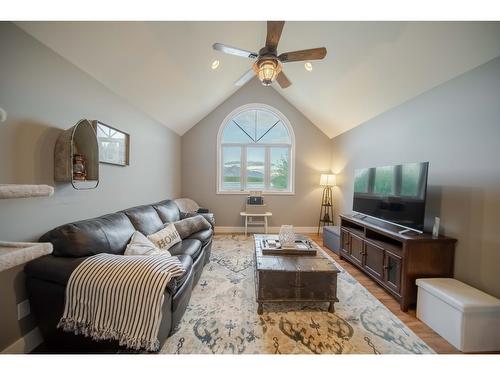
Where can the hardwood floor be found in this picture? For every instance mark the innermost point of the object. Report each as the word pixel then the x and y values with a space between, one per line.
pixel 431 338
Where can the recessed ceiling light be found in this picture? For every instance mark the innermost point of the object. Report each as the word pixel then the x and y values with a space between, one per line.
pixel 308 66
pixel 215 64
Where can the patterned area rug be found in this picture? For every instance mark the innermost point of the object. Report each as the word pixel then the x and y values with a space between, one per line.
pixel 222 315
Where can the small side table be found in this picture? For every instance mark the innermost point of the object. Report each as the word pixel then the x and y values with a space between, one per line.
pixel 246 215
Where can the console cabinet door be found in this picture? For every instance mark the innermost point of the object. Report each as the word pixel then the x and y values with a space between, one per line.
pixel 357 249
pixel 374 260
pixel 345 247
pixel 392 271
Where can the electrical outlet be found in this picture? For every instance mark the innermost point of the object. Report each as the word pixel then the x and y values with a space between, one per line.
pixel 23 309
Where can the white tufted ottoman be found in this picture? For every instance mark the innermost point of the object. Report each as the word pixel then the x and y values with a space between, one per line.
pixel 466 317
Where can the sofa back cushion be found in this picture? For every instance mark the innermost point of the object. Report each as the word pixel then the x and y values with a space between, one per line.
pixel 105 234
pixel 167 210
pixel 145 219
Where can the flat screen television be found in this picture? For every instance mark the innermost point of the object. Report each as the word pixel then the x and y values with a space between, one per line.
pixel 394 193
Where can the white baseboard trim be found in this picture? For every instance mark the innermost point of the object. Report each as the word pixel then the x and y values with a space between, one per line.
pixel 261 229
pixel 26 343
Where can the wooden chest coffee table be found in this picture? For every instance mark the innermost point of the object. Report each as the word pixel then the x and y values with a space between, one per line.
pixel 293 278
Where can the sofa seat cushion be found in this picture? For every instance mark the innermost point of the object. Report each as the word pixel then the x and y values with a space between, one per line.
pixel 53 269
pixel 176 282
pixel 145 219
pixel 203 235
pixel 191 247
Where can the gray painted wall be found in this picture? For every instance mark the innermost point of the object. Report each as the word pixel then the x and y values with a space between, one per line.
pixel 42 94
pixel 199 163
pixel 456 127
pixel 13 292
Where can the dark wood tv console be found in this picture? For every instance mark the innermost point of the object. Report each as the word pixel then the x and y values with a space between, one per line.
pixel 392 259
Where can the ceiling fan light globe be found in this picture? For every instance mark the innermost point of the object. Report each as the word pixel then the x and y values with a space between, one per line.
pixel 267 70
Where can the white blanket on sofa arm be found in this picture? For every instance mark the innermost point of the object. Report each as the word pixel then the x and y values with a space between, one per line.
pixel 137 284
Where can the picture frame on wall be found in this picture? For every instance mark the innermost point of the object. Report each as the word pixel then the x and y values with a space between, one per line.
pixel 114 144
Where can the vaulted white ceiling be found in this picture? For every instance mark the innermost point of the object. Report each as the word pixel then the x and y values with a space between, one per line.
pixel 164 69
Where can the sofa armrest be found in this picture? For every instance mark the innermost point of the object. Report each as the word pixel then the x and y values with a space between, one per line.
pixel 176 282
pixel 52 269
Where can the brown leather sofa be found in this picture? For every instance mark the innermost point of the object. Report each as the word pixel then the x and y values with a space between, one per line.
pixel 46 277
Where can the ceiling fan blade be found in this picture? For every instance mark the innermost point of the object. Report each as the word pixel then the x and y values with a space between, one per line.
pixel 274 29
pixel 245 77
pixel 234 51
pixel 306 54
pixel 283 80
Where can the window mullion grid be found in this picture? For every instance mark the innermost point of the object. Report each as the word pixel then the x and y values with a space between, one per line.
pixel 267 168
pixel 243 169
pixel 290 168
pixel 221 166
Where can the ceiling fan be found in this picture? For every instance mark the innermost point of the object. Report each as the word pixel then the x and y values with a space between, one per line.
pixel 268 65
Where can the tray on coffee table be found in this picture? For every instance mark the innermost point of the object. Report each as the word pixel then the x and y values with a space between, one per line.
pixel 303 246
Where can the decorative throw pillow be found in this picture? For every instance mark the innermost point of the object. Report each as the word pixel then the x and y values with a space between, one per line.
pixel 208 217
pixel 190 225
pixel 165 238
pixel 140 245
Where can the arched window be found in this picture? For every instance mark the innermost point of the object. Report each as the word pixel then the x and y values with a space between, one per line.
pixel 255 148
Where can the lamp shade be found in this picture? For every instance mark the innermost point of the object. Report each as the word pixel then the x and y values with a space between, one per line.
pixel 267 70
pixel 327 180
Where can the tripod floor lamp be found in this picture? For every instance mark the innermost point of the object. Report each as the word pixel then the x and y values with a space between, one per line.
pixel 326 212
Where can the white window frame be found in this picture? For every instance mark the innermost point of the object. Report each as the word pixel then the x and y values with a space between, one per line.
pixel 244 146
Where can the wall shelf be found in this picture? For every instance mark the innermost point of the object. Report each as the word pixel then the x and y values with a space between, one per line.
pixel 80 140
pixel 13 254
pixel 9 191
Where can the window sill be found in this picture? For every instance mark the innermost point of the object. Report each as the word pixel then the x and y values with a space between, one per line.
pixel 270 192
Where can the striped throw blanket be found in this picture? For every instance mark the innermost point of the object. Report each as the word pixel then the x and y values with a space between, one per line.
pixel 119 297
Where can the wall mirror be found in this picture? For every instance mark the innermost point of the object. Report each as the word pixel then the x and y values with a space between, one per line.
pixel 114 145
